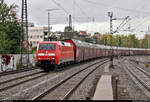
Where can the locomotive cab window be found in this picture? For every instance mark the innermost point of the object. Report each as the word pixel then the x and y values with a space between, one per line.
pixel 47 47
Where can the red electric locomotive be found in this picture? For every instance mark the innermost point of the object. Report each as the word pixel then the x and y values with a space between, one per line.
pixel 56 53
pixel 52 54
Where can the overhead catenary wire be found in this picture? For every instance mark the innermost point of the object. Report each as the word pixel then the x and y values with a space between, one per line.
pixel 122 24
pixel 144 21
pixel 83 12
pixel 61 7
pixel 79 19
pixel 127 21
pixel 125 9
pixel 80 9
pixel 58 4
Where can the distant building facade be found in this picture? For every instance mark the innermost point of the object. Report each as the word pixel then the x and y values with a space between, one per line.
pixel 36 35
pixel 82 34
pixel 98 36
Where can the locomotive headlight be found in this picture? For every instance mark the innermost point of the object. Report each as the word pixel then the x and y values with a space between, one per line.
pixel 51 54
pixel 53 58
pixel 41 54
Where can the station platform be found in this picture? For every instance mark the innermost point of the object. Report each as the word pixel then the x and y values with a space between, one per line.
pixel 104 89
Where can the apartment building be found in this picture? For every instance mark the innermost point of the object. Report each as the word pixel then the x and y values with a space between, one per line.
pixel 36 35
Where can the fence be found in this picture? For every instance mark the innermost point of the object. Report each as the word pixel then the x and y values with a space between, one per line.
pixel 15 58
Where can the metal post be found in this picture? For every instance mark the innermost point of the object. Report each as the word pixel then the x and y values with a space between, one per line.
pixel 70 33
pixel 22 32
pixel 24 25
pixel 48 25
pixel 49 21
pixel 70 21
pixel 110 14
pixel 148 36
pixel 116 88
pixel 1 63
pixel 117 46
pixel 13 61
pixel 27 37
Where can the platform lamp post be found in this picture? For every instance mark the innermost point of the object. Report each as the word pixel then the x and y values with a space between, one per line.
pixel 49 20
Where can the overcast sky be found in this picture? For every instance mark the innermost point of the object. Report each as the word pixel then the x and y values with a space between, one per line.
pixel 85 10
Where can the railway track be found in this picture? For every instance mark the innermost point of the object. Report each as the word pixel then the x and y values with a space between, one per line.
pixel 17 71
pixel 139 74
pixel 8 84
pixel 11 83
pixel 64 89
pixel 138 61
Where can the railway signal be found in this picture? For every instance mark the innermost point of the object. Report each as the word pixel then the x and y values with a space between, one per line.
pixel 110 14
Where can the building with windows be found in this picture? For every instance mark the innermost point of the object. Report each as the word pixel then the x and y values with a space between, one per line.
pixel 36 35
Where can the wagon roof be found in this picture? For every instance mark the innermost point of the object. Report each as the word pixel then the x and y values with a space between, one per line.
pixel 85 44
pixel 82 44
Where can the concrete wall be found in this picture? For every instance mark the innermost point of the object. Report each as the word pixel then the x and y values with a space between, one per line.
pixel 14 61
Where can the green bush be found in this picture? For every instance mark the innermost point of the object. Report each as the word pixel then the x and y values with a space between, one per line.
pixel 19 65
pixel 147 65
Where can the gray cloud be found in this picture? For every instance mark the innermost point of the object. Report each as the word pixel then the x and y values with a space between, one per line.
pixel 138 10
pixel 82 9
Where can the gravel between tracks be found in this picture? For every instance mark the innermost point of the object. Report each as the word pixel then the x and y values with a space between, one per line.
pixel 12 76
pixel 84 89
pixel 64 88
pixel 127 89
pixel 29 90
pixel 145 66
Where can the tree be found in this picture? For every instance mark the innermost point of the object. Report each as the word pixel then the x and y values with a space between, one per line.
pixel 133 41
pixel 9 28
pixel 5 44
pixel 144 43
pixel 68 32
pixel 7 13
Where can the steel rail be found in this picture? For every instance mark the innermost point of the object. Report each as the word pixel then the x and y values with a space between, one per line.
pixel 148 74
pixel 74 88
pixel 63 81
pixel 7 81
pixel 22 82
pixel 137 78
pixel 16 71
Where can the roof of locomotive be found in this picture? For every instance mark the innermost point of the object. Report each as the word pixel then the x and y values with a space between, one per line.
pixel 46 42
pixel 62 43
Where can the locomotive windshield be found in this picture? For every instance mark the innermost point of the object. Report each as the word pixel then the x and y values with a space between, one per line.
pixel 47 46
